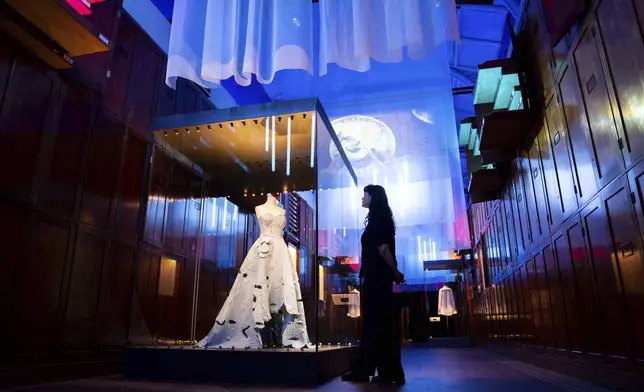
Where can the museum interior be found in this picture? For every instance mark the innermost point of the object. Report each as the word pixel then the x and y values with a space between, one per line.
pixel 181 185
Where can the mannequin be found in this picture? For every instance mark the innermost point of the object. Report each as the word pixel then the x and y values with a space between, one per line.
pixel 269 207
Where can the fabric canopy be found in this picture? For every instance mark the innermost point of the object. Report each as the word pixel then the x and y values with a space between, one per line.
pixel 213 40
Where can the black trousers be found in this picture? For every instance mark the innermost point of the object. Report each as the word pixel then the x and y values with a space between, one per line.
pixel 380 341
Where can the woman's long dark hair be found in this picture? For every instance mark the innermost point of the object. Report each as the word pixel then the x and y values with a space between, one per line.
pixel 379 211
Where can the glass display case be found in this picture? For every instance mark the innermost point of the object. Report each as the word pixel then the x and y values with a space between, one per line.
pixel 267 257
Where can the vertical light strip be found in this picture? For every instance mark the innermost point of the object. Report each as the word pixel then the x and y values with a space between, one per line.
pixel 235 212
pixel 424 250
pixel 313 118
pixel 214 213
pixel 433 250
pixel 288 146
pixel 223 219
pixel 273 143
pixel 266 139
pixel 344 231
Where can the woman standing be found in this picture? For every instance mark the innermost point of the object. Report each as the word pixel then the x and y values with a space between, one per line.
pixel 380 344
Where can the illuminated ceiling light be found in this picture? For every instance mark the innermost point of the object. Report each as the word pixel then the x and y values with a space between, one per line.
pixel 176 132
pixel 244 123
pixel 220 127
pixel 313 125
pixel 187 130
pixel 267 136
pixel 198 130
pixel 209 127
pixel 273 143
pixel 165 133
pixel 288 146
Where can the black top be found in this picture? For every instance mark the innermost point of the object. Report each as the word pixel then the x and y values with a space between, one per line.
pixel 373 266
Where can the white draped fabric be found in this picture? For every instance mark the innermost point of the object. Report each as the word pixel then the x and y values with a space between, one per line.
pixel 446 303
pixel 353 32
pixel 213 40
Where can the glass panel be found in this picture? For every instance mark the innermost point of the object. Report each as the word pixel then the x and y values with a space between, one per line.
pixel 268 276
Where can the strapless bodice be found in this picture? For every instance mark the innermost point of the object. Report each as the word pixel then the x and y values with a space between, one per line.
pixel 271 225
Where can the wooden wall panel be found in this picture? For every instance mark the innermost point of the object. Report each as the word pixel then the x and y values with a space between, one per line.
pixel 157 203
pixel 102 176
pixel 615 336
pixel 143 321
pixel 560 179
pixel 24 116
pixel 116 295
pixel 83 292
pixel 520 211
pixel 132 185
pixel 64 172
pixel 548 325
pixel 37 282
pixel 568 299
pixel 175 223
pixel 598 109
pixel 167 316
pixel 121 68
pixel 553 283
pixel 582 148
pixel 624 49
pixel 626 254
pixel 141 98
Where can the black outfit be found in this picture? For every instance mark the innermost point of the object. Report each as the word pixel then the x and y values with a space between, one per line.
pixel 380 343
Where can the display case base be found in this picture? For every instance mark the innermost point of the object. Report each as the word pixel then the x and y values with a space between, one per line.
pixel 268 366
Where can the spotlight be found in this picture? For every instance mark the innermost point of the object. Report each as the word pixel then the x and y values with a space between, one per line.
pixel 165 133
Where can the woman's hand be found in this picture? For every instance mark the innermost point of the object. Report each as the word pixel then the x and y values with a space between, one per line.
pixel 399 277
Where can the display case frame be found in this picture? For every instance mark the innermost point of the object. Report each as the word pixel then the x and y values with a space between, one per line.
pixel 237 152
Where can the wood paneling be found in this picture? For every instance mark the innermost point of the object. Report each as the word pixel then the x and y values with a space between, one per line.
pixel 561 188
pixel 615 336
pixel 73 161
pixel 626 258
pixel 131 189
pixel 37 282
pixel 116 295
pixel 582 146
pixel 141 98
pixel 64 173
pixel 624 50
pixel 24 117
pixel 578 285
pixel 102 176
pixel 598 108
pixel 82 301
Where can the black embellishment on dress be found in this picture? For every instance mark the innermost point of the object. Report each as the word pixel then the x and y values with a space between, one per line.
pixel 245 275
pixel 254 298
pixel 220 322
pixel 258 286
pixel 232 322
pixel 244 331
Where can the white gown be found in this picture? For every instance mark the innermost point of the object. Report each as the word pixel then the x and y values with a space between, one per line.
pixel 267 283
